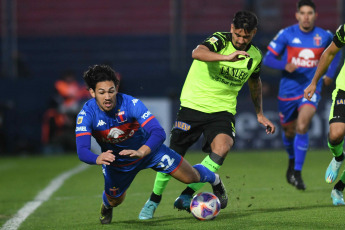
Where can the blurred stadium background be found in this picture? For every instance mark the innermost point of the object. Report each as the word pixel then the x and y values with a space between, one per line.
pixel 148 43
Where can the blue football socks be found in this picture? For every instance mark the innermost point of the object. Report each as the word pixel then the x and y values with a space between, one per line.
pixel 301 146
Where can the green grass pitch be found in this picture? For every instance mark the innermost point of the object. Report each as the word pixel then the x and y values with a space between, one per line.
pixel 259 196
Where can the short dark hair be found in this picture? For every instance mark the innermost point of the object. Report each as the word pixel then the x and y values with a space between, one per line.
pixel 245 20
pixel 310 3
pixel 99 73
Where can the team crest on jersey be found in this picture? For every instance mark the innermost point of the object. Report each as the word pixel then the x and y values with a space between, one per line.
pixel 213 39
pixel 121 117
pixel 317 40
pixel 80 120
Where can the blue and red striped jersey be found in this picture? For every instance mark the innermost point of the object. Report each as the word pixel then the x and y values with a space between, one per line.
pixel 118 129
pixel 302 49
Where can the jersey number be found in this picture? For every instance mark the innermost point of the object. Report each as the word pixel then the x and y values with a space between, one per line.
pixel 166 162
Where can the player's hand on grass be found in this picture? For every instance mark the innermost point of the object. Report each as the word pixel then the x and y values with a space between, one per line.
pixel 238 55
pixel 270 128
pixel 309 91
pixel 132 153
pixel 105 158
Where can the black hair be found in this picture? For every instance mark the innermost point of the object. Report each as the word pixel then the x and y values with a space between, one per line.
pixel 99 73
pixel 245 20
pixel 301 3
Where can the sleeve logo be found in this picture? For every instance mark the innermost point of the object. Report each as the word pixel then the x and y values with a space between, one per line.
pixel 80 120
pixel 146 115
pixel 213 40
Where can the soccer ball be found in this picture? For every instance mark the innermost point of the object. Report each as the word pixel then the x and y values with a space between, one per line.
pixel 205 206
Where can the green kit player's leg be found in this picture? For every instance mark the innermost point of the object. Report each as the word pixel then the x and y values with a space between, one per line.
pixel 161 182
pixel 333 168
pixel 337 149
pixel 211 165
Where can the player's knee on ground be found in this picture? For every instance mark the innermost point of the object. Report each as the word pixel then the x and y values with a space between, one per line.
pixel 115 201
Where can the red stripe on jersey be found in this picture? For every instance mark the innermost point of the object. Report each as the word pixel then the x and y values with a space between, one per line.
pixel 143 124
pixel 272 50
pixel 82 134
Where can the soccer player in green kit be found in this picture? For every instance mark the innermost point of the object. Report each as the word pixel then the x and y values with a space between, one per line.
pixel 221 66
pixel 336 117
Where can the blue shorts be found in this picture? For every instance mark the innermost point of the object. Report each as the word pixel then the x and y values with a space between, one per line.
pixel 118 179
pixel 289 107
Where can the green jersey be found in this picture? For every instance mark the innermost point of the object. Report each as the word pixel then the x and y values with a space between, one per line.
pixel 213 86
pixel 339 41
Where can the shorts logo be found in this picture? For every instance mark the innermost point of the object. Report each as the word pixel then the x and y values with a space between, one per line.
pixel 113 191
pixel 80 120
pixel 181 125
pixel 340 102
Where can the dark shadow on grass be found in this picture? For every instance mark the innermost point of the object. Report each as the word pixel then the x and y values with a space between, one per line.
pixel 234 214
pixel 250 211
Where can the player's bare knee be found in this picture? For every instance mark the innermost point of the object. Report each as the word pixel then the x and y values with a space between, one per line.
pixel 335 137
pixel 302 128
pixel 117 200
pixel 290 133
pixel 192 177
pixel 222 149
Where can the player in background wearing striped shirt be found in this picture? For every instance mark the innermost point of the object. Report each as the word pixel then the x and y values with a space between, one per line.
pixel 296 51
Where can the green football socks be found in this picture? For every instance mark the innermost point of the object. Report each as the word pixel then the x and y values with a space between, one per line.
pixel 161 181
pixel 211 165
pixel 336 150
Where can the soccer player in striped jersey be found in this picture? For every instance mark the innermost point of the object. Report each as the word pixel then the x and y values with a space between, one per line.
pixel 131 139
pixel 336 117
pixel 296 51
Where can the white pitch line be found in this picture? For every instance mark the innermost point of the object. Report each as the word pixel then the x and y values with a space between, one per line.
pixel 42 196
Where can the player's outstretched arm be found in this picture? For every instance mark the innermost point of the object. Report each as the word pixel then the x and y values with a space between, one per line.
pixel 255 87
pixel 325 60
pixel 202 53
